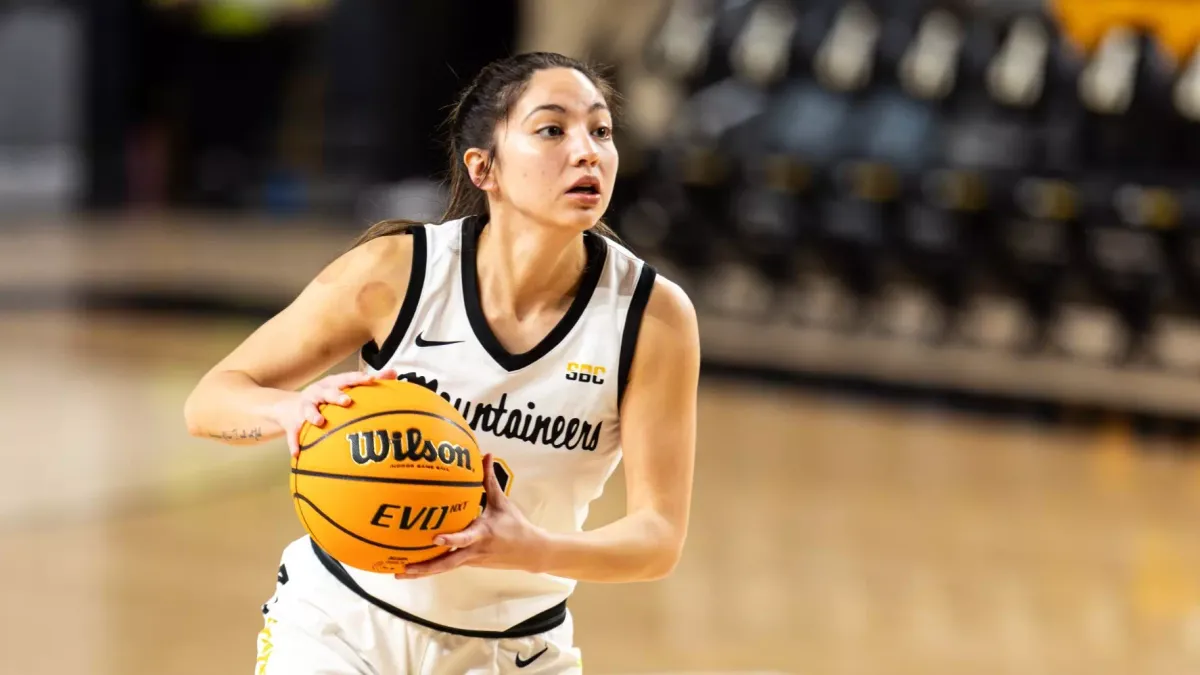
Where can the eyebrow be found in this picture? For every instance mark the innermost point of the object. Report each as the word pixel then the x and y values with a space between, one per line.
pixel 598 105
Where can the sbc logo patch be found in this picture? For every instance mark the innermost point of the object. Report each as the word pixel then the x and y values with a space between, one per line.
pixel 585 373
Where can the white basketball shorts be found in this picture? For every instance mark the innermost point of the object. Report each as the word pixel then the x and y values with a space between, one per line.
pixel 314 625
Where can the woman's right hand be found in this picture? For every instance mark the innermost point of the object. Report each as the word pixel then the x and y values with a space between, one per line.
pixel 291 413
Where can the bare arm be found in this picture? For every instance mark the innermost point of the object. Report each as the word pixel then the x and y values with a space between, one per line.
pixel 352 301
pixel 658 435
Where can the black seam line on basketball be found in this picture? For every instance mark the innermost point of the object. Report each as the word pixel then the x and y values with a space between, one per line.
pixel 343 425
pixel 304 518
pixel 363 539
pixel 393 481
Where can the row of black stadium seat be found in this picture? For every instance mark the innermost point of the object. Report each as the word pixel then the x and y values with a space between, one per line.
pixel 911 142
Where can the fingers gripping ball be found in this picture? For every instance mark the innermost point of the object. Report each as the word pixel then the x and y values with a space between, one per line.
pixel 386 474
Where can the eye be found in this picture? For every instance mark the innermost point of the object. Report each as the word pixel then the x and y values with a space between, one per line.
pixel 550 131
pixel 603 132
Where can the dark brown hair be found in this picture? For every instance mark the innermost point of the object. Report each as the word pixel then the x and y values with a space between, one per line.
pixel 486 101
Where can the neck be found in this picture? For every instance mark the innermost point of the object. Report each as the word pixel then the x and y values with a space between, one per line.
pixel 525 266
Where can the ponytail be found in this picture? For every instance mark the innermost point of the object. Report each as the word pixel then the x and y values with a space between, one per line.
pixel 385 228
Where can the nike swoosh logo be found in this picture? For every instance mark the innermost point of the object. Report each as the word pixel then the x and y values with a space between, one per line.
pixel 521 663
pixel 422 342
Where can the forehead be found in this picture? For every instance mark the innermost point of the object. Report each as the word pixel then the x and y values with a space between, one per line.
pixel 566 87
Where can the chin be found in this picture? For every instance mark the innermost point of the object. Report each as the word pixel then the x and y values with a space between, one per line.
pixel 580 220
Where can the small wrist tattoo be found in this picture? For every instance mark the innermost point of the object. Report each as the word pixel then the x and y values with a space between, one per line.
pixel 254 434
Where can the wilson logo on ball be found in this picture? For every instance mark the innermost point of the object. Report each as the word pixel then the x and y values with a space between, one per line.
pixel 404 446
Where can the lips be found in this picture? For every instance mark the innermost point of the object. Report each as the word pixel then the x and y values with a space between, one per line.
pixel 588 185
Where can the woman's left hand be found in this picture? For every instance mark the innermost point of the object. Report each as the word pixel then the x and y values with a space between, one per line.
pixel 500 538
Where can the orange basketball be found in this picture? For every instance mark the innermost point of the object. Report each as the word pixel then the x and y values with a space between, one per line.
pixel 385 474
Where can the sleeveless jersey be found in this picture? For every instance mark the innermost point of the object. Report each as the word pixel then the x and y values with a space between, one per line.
pixel 550 415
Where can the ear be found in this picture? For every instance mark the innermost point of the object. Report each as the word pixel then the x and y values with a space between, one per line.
pixel 483 176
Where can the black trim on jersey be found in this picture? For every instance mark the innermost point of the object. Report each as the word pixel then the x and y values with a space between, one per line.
pixel 539 623
pixel 597 254
pixel 377 357
pixel 633 326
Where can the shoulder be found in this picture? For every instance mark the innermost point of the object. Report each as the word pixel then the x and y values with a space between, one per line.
pixel 364 286
pixel 662 316
pixel 670 317
pixel 660 310
pixel 383 252
pixel 378 259
pixel 664 363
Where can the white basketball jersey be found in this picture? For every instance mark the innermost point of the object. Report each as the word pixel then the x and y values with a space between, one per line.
pixel 549 415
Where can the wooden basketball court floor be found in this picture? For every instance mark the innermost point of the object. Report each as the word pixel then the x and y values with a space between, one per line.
pixel 829 535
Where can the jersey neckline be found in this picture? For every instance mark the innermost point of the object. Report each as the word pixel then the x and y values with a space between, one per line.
pixel 597 254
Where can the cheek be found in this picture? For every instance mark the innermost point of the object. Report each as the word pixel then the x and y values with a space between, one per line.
pixel 611 162
pixel 531 169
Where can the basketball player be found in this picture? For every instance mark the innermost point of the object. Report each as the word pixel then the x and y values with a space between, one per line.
pixel 564 352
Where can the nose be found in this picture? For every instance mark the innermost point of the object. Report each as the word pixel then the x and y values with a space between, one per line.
pixel 585 151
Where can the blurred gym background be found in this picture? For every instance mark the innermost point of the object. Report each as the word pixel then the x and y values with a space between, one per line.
pixel 946 255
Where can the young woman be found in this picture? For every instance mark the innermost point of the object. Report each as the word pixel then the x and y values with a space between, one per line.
pixel 563 351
